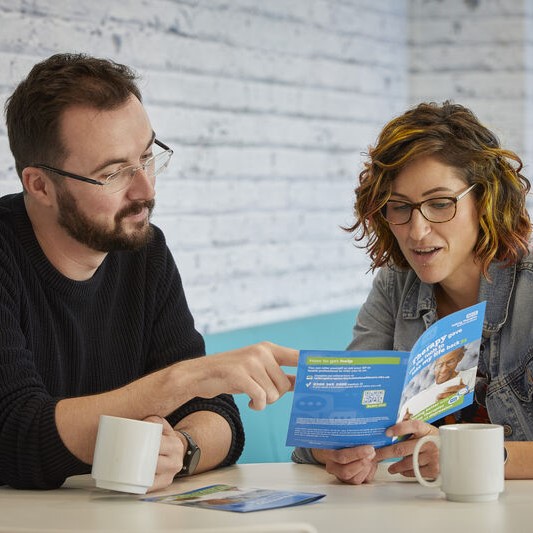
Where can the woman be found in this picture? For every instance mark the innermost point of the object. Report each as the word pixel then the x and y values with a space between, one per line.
pixel 441 208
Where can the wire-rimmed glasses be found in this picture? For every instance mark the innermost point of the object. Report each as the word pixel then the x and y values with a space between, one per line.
pixel 437 210
pixel 121 179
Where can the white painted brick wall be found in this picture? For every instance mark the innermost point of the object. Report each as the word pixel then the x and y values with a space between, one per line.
pixel 268 105
pixel 478 53
pixel 528 53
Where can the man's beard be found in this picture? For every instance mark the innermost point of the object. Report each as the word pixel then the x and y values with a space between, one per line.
pixel 88 232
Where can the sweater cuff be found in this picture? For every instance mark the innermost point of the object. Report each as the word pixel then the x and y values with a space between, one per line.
pixel 226 408
pixel 303 456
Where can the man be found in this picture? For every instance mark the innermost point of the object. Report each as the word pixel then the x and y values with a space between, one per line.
pixel 93 317
pixel 447 382
pixel 445 369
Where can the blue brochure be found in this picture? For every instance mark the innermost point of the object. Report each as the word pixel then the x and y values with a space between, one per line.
pixel 230 498
pixel 344 399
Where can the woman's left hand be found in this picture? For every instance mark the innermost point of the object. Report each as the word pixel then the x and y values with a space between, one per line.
pixel 428 458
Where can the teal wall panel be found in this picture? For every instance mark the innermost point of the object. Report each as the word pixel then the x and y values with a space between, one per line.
pixel 266 430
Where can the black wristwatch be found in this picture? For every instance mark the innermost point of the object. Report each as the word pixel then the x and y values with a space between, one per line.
pixel 192 456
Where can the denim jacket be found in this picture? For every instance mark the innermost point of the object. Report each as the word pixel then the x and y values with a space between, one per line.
pixel 400 307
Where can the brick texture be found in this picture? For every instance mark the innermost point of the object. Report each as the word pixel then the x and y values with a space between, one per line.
pixel 269 106
pixel 479 53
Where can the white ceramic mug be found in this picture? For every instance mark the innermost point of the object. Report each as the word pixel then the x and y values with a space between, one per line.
pixel 471 461
pixel 126 452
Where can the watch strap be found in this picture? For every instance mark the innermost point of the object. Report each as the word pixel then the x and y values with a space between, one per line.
pixel 191 457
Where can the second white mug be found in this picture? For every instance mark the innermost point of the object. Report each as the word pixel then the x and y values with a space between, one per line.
pixel 471 461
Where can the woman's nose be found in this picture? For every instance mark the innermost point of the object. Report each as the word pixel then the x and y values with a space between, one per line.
pixel 419 226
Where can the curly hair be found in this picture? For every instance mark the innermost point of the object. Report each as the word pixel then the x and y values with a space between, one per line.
pixel 453 135
pixel 34 110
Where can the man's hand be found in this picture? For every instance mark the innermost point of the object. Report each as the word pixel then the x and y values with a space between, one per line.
pixel 253 370
pixel 451 390
pixel 349 465
pixel 171 454
pixel 429 455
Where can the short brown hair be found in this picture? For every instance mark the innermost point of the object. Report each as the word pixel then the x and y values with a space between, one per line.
pixel 452 134
pixel 33 112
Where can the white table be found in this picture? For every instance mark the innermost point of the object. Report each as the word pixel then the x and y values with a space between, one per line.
pixel 384 505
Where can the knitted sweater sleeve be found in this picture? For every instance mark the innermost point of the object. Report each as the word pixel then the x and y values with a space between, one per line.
pixel 174 338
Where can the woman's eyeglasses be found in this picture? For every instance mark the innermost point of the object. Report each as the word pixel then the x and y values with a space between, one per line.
pixel 437 210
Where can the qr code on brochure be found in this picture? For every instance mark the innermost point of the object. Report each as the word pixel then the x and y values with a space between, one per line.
pixel 372 397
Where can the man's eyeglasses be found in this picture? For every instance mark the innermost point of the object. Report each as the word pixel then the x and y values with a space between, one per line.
pixel 121 179
pixel 437 210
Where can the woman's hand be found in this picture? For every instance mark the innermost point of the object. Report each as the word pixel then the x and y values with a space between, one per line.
pixel 428 458
pixel 349 465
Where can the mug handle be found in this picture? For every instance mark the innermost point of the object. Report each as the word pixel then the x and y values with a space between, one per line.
pixel 416 468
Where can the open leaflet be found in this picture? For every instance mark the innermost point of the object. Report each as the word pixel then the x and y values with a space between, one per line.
pixel 343 399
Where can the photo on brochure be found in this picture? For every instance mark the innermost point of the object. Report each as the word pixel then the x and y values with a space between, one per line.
pixel 238 500
pixel 349 398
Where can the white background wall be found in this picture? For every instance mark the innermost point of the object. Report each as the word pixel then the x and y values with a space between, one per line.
pixel 528 68
pixel 479 53
pixel 268 105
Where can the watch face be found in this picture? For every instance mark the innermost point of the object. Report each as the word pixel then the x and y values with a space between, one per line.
pixel 195 458
pixel 192 456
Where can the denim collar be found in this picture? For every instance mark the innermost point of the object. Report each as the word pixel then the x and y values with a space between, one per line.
pixel 497 292
pixel 420 300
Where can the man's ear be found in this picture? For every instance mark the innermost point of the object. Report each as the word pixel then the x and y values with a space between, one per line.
pixel 39 186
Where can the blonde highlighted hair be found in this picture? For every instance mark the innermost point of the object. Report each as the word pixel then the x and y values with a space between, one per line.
pixel 453 135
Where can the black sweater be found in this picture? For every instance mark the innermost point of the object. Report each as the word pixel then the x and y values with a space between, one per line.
pixel 61 338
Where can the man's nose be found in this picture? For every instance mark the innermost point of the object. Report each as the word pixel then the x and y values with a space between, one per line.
pixel 142 186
